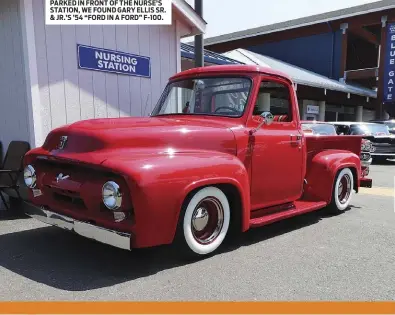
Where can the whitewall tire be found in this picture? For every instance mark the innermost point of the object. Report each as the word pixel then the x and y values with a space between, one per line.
pixel 205 223
pixel 342 191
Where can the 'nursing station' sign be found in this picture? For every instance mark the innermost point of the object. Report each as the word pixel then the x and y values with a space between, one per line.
pixel 93 58
pixel 389 68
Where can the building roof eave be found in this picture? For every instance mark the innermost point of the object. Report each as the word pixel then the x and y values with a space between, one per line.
pixel 188 52
pixel 296 74
pixel 197 23
pixel 299 75
pixel 301 22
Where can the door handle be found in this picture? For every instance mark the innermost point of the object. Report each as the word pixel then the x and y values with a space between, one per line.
pixel 296 139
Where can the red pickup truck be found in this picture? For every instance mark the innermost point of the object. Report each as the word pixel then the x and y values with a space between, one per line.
pixel 222 152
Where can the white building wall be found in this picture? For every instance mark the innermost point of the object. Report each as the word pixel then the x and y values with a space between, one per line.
pixel 69 94
pixel 14 124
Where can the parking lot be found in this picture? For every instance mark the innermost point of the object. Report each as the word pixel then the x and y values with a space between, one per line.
pixel 312 257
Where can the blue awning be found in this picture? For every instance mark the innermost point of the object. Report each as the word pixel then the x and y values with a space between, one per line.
pixel 188 52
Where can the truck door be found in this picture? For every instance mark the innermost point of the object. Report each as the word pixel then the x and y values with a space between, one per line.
pixel 278 157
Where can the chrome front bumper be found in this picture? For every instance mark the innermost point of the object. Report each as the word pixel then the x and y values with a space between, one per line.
pixel 367 163
pixel 100 234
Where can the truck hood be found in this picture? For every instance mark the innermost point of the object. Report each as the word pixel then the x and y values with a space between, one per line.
pixel 98 139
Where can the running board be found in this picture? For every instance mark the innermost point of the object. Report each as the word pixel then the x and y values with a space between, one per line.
pixel 300 207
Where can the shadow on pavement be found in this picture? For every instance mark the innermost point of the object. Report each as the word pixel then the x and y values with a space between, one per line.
pixel 7 215
pixel 66 261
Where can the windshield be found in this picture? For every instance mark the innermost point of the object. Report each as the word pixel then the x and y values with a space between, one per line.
pixel 205 96
pixel 320 129
pixel 369 130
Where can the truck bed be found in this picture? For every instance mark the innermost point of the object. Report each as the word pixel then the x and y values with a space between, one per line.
pixel 316 144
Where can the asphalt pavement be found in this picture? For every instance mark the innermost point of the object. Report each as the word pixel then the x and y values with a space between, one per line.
pixel 311 257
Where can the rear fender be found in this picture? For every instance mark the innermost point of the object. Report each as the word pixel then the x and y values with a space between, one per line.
pixel 159 185
pixel 322 172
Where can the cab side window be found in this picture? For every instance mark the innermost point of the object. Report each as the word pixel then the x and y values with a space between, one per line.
pixel 274 97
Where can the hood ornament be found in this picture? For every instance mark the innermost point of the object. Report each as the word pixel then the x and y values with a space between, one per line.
pixel 61 177
pixel 62 142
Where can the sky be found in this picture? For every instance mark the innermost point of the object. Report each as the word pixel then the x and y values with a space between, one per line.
pixel 228 16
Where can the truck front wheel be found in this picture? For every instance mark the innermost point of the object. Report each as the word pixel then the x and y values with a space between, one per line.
pixel 205 221
pixel 342 191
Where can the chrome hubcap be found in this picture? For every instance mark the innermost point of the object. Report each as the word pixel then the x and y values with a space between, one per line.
pixel 344 189
pixel 200 219
pixel 207 220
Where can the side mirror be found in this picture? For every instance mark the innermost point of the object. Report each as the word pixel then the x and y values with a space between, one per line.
pixel 267 119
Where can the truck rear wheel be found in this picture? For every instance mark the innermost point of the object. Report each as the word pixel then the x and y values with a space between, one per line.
pixel 342 191
pixel 204 222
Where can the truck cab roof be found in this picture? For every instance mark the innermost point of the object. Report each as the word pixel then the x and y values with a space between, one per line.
pixel 225 69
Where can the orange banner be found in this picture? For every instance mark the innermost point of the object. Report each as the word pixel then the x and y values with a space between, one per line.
pixel 197 307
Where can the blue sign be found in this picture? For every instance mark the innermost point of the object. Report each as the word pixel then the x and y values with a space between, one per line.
pixel 93 58
pixel 389 66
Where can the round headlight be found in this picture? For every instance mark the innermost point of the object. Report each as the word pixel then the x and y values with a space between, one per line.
pixel 366 146
pixel 29 176
pixel 112 196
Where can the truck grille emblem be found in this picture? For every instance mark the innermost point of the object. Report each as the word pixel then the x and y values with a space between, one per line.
pixel 62 142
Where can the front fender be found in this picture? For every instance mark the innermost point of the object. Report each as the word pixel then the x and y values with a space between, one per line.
pixel 322 170
pixel 159 185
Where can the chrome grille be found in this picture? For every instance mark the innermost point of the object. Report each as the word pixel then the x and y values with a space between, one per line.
pixel 383 148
